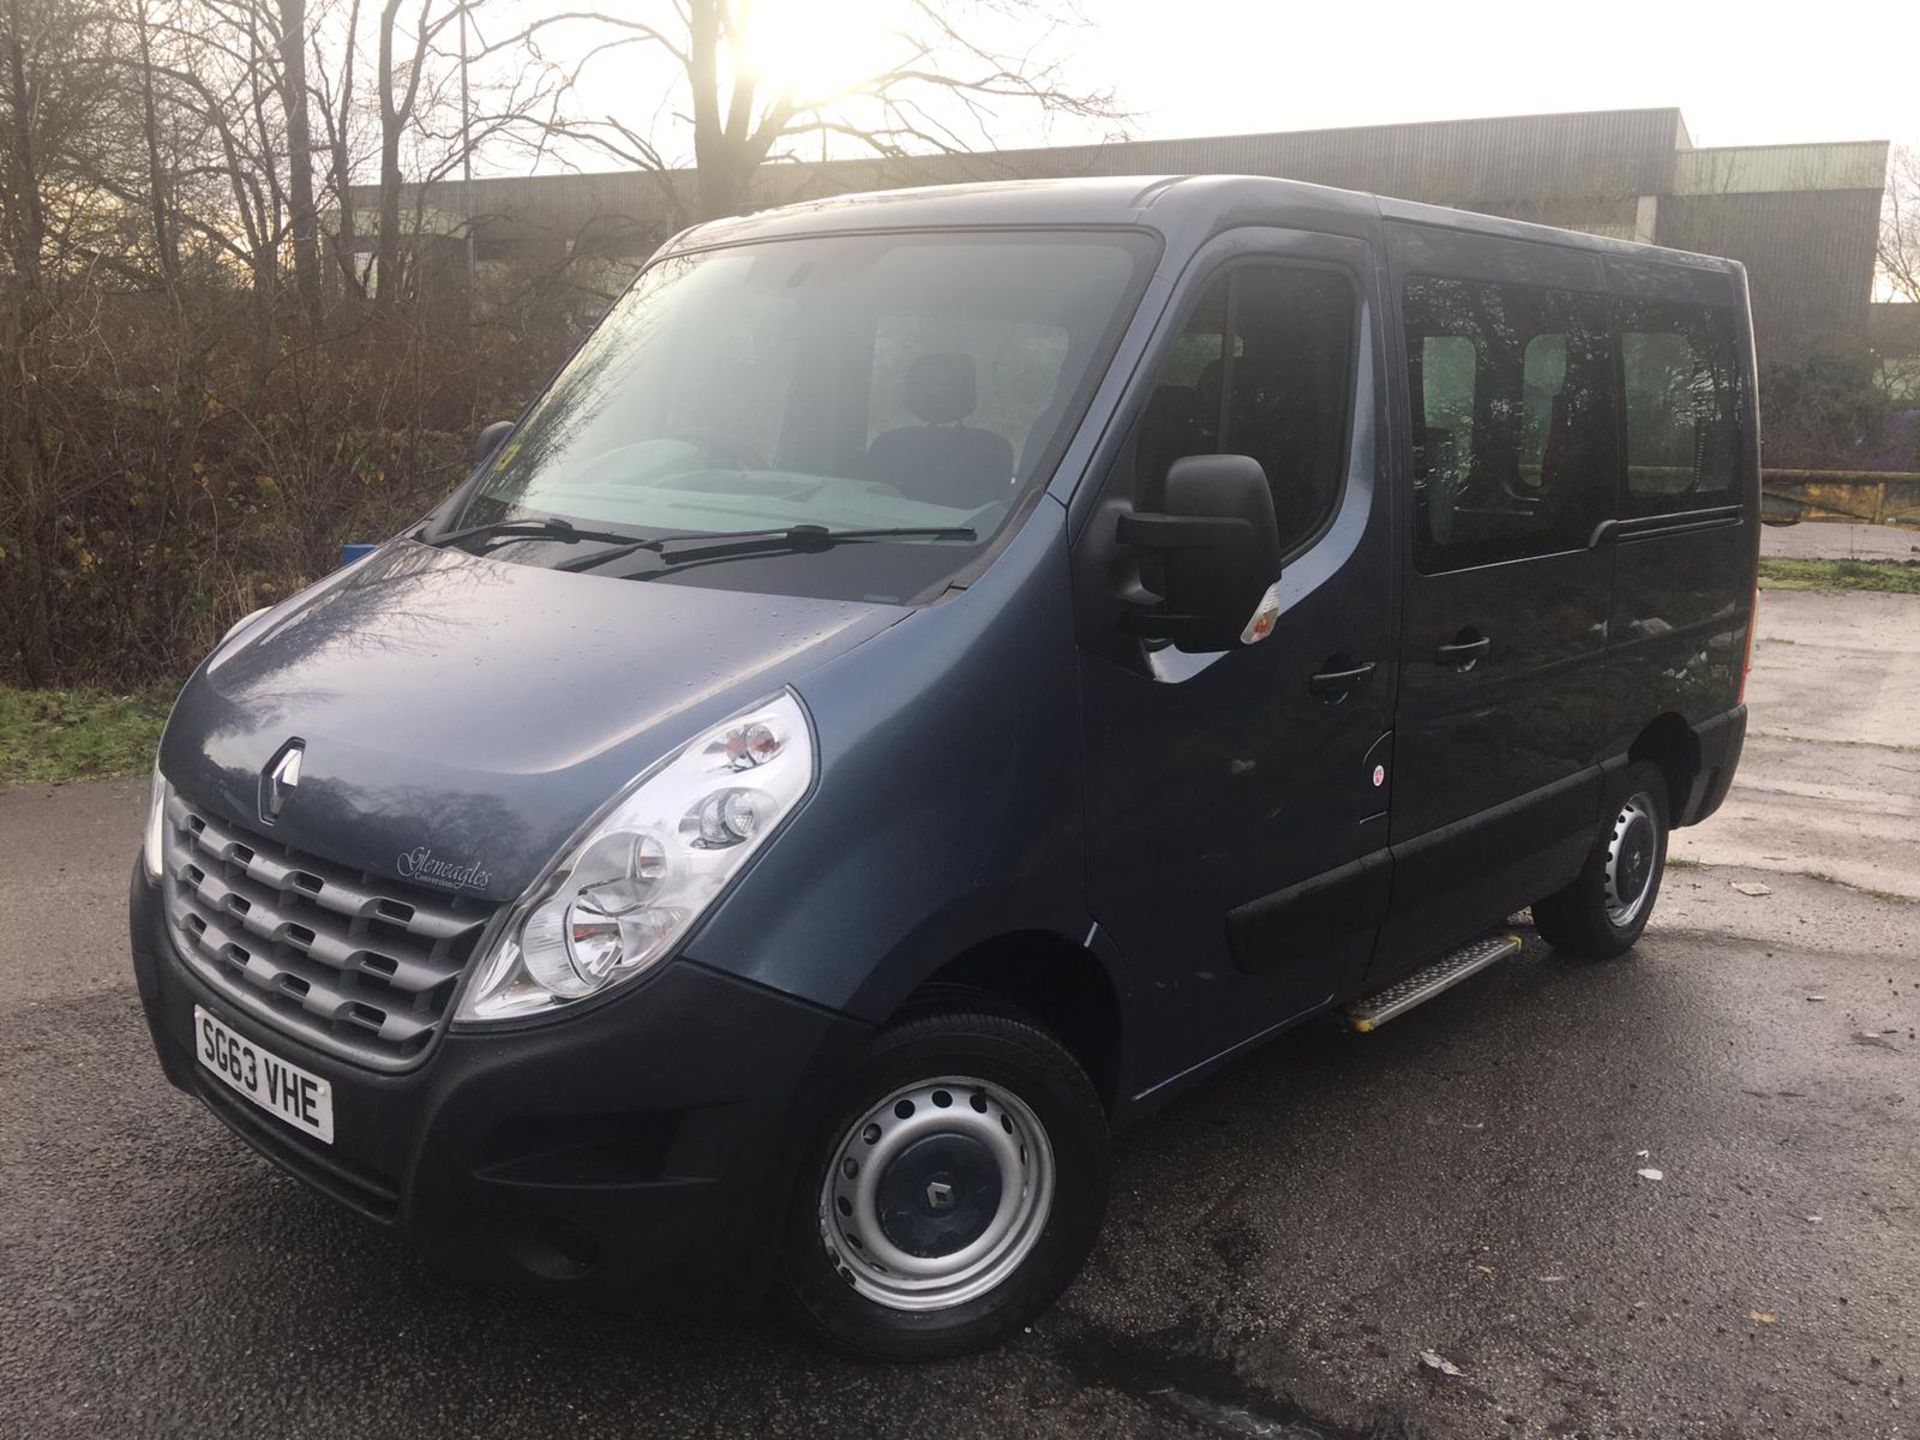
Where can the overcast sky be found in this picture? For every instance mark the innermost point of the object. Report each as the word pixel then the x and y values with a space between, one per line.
pixel 1759 73
pixel 1743 74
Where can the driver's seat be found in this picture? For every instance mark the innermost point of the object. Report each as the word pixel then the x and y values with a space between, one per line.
pixel 943 461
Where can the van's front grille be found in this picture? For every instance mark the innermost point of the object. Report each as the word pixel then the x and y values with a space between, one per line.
pixel 357 965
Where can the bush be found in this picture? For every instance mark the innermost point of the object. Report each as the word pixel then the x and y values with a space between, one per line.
pixel 173 472
pixel 1823 410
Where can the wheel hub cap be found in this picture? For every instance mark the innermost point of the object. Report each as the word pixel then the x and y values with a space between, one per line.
pixel 1630 859
pixel 937 1193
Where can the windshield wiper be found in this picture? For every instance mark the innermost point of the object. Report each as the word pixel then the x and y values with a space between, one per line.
pixel 553 527
pixel 726 544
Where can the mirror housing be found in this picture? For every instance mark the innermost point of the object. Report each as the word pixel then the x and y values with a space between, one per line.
pixel 488 440
pixel 1218 551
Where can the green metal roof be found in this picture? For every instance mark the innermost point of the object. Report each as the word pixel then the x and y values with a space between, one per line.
pixel 1762 169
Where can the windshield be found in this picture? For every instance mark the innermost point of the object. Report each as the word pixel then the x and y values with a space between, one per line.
pixel 846 382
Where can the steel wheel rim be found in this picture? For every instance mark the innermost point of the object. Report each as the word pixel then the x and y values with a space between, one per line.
pixel 1632 856
pixel 981 1119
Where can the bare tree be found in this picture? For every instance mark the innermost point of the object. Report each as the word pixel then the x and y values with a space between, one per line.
pixel 423 104
pixel 63 129
pixel 305 223
pixel 335 91
pixel 1900 226
pixel 954 68
pixel 396 113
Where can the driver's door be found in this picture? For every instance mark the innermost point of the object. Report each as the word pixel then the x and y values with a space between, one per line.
pixel 1236 801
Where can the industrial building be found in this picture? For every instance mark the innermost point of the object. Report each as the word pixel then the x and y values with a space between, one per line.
pixel 1802 218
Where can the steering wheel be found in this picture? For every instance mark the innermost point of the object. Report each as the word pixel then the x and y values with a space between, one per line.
pixel 724 451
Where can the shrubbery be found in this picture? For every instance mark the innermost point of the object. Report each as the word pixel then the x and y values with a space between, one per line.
pixel 182 479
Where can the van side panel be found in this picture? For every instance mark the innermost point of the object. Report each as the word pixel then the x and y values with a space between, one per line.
pixel 1684 563
pixel 1498 782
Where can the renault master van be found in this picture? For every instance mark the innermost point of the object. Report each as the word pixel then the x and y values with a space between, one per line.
pixel 935 675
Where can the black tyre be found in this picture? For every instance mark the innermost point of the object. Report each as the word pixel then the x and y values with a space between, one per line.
pixel 1602 913
pixel 955 1193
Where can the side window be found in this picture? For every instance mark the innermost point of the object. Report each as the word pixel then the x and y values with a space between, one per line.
pixel 1543 380
pixel 1511 388
pixel 1449 377
pixel 1680 382
pixel 1264 367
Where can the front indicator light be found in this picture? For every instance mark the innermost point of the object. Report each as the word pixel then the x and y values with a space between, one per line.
pixel 628 890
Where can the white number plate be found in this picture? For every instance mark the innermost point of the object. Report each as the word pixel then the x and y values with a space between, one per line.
pixel 297 1096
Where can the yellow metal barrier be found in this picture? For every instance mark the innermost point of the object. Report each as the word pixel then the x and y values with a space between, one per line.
pixel 1861 497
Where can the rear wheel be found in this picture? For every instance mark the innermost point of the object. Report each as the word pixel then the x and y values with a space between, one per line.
pixel 1602 913
pixel 955 1194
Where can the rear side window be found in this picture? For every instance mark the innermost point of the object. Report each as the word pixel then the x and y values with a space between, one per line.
pixel 1264 367
pixel 1680 384
pixel 1513 445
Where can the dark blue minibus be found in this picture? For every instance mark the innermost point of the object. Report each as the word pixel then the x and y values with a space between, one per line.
pixel 936 674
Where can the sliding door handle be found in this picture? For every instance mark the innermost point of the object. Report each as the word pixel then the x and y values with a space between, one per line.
pixel 1464 651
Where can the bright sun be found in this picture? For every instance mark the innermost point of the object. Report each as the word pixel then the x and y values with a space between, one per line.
pixel 818 48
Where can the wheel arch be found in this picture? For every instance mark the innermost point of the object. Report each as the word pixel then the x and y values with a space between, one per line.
pixel 1057 983
pixel 1669 742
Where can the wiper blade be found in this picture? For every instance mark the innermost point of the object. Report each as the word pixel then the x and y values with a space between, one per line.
pixel 550 528
pixel 726 544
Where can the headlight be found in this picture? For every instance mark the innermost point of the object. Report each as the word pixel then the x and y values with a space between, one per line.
pixel 625 892
pixel 150 849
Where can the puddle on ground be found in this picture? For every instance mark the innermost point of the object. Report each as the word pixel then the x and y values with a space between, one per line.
pixel 1201 1389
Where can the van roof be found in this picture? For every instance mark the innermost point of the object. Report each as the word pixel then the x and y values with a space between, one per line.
pixel 1172 204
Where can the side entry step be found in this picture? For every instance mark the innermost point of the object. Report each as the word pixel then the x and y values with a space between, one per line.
pixel 1376 1009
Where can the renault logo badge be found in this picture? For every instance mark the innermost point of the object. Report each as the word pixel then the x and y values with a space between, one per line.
pixel 279 780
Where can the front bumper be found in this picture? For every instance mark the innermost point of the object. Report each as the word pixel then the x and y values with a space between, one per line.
pixel 644 1147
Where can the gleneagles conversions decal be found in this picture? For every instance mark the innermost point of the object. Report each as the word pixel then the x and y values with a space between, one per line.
pixel 420 863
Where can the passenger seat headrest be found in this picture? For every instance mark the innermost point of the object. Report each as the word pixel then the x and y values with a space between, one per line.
pixel 940 389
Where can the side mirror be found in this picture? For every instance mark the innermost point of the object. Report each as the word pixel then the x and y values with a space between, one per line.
pixel 1218 552
pixel 488 440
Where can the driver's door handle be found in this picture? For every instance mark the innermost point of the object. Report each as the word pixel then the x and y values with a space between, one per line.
pixel 1331 683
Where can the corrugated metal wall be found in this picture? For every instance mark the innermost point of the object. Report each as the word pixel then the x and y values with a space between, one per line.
pixel 1807 243
pixel 1809 257
pixel 1504 165
pixel 1452 162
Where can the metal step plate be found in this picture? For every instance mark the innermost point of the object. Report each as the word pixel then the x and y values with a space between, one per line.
pixel 1375 1010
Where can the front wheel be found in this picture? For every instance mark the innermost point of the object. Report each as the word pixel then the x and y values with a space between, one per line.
pixel 955 1194
pixel 1602 913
